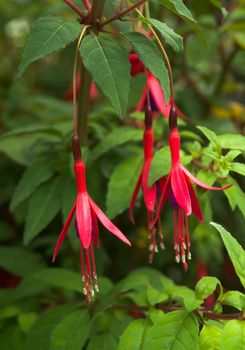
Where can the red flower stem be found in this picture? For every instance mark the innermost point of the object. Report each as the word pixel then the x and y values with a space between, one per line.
pixel 122 13
pixel 87 4
pixel 75 8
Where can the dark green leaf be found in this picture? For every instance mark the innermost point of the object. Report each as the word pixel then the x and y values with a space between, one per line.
pixel 235 195
pixel 133 337
pixel 152 59
pixel 168 34
pixel 235 251
pixel 108 63
pixel 48 34
pixel 34 176
pixel 71 332
pixel 44 204
pixel 104 341
pixel 160 165
pixel 121 185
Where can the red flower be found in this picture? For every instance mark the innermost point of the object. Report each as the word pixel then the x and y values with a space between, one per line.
pixel 149 193
pixel 68 95
pixel 87 215
pixel 178 189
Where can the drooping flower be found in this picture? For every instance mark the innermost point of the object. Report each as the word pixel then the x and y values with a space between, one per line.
pixel 87 214
pixel 177 188
pixel 149 193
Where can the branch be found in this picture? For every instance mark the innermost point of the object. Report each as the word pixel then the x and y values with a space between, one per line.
pixel 75 8
pixel 122 13
pixel 87 4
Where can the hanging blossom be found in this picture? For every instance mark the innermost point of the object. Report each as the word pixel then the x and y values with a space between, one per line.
pixel 87 214
pixel 93 93
pixel 149 193
pixel 177 188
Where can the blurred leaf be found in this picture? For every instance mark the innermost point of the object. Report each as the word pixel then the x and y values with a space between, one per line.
pixel 6 232
pixel 48 34
pixel 160 165
pixel 44 204
pixel 190 301
pixel 154 296
pixel 121 185
pixel 235 251
pixel 133 336
pixel 34 176
pixel 116 138
pixel 168 34
pixel 233 335
pixel 231 155
pixel 12 338
pixel 207 286
pixel 238 168
pixel 40 334
pixel 151 58
pixel 171 330
pixel 72 332
pixel 210 337
pixel 20 261
pixel 235 299
pixel 104 341
pixel 26 320
pixel 107 61
pixel 235 195
pixel 232 141
pixel 211 136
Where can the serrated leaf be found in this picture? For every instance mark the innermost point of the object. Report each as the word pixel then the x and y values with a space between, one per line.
pixel 19 261
pixel 238 168
pixel 34 176
pixel 210 337
pixel 235 195
pixel 168 34
pixel 72 332
pixel 160 165
pixel 235 299
pixel 207 286
pixel 175 330
pixel 48 35
pixel 39 336
pixel 235 251
pixel 116 138
pixel 151 58
pixel 232 141
pixel 107 61
pixel 233 335
pixel 121 185
pixel 133 336
pixel 44 204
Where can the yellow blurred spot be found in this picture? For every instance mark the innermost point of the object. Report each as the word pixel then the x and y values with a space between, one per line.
pixel 235 111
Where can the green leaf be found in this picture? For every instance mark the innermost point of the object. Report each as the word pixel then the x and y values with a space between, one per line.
pixel 190 301
pixel 232 141
pixel 235 299
pixel 34 176
pixel 154 296
pixel 210 337
pixel 133 336
pixel 211 136
pixel 43 206
pixel 121 185
pixel 207 286
pixel 160 165
pixel 175 330
pixel 238 168
pixel 231 155
pixel 104 341
pixel 116 138
pixel 152 59
pixel 235 251
pixel 39 336
pixel 48 34
pixel 233 335
pixel 72 332
pixel 235 195
pixel 107 61
pixel 168 34
pixel 19 261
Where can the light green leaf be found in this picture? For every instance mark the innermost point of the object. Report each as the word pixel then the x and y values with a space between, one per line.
pixel 34 176
pixel 232 141
pixel 211 136
pixel 19 261
pixel 210 337
pixel 231 155
pixel 235 251
pixel 168 34
pixel 160 165
pixel 107 61
pixel 152 59
pixel 187 297
pixel 44 204
pixel 121 185
pixel 133 336
pixel 154 296
pixel 238 168
pixel 48 34
pixel 235 195
pixel 233 335
pixel 235 299
pixel 116 138
pixel 175 330
pixel 72 332
pixel 206 286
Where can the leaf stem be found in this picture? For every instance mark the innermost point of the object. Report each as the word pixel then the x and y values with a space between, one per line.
pixel 75 8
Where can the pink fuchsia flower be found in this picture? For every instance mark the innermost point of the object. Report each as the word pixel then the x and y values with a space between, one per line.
pixel 149 193
pixel 177 188
pixel 87 215
pixel 68 95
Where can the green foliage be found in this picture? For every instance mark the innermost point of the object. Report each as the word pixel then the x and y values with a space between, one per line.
pixel 210 337
pixel 134 336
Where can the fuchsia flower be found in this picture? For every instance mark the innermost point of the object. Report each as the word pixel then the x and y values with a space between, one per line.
pixel 68 95
pixel 149 193
pixel 177 188
pixel 87 216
